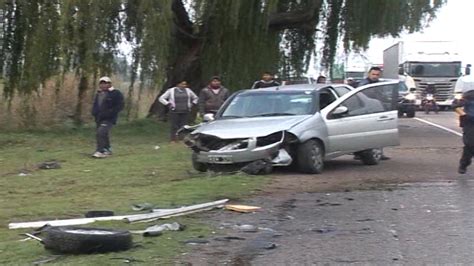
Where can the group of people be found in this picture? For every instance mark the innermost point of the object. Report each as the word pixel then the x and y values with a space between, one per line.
pixel 108 102
pixel 180 99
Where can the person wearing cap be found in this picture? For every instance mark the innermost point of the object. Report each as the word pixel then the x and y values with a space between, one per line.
pixel 212 97
pixel 108 102
pixel 179 99
pixel 266 81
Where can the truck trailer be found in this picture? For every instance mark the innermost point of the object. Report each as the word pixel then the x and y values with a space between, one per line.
pixel 427 62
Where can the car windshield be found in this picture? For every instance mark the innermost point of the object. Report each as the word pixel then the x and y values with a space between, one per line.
pixel 272 103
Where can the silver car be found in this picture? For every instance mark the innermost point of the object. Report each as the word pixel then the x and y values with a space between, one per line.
pixel 303 125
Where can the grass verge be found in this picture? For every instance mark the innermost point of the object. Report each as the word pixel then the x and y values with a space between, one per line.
pixel 144 168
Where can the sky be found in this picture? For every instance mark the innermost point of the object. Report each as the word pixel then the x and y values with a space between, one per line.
pixel 453 22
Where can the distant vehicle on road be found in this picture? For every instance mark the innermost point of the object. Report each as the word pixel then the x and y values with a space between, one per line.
pixel 427 62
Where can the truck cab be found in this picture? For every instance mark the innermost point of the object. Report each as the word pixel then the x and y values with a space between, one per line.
pixel 428 62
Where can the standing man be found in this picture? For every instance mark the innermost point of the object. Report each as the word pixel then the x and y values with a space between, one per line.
pixel 266 81
pixel 108 102
pixel 465 109
pixel 212 97
pixel 373 76
pixel 179 100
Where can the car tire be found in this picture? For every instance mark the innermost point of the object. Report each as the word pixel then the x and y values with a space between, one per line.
pixel 82 240
pixel 371 156
pixel 411 114
pixel 310 157
pixel 200 167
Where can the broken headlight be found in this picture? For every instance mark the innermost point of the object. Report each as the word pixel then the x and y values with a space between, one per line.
pixel 270 139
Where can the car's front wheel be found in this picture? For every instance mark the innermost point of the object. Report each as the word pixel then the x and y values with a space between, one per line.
pixel 371 156
pixel 310 157
pixel 198 166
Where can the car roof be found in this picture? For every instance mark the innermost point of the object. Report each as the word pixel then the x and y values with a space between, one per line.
pixel 295 87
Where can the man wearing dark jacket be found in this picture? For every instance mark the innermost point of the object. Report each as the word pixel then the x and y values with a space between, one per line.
pixel 108 102
pixel 465 109
pixel 372 77
pixel 266 81
pixel 212 97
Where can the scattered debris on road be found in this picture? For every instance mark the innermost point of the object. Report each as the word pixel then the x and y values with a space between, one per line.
pixel 103 213
pixel 52 164
pixel 156 230
pixel 155 215
pixel 241 208
pixel 143 206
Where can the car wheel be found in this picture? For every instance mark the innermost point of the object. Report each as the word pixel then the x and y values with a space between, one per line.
pixel 411 114
pixel 200 167
pixel 370 157
pixel 76 240
pixel 310 157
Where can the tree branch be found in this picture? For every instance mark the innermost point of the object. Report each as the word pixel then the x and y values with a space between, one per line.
pixel 297 18
pixel 181 19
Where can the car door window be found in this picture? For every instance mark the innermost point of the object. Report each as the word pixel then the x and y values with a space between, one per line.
pixel 341 90
pixel 384 96
pixel 326 97
pixel 375 99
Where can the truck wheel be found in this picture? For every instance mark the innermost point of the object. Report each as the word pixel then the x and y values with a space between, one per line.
pixel 411 113
pixel 400 113
pixel 200 167
pixel 371 156
pixel 77 240
pixel 310 157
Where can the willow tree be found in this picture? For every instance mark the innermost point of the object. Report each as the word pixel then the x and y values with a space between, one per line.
pixel 238 40
pixel 174 40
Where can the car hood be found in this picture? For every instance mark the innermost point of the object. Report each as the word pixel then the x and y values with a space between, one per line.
pixel 249 127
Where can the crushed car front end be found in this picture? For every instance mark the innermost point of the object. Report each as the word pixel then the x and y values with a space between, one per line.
pixel 214 150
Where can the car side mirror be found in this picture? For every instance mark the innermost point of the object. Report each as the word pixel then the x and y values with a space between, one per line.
pixel 340 111
pixel 208 117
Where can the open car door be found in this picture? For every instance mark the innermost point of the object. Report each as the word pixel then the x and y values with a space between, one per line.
pixel 365 118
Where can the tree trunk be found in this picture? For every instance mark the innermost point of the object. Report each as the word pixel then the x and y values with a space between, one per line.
pixel 82 89
pixel 185 66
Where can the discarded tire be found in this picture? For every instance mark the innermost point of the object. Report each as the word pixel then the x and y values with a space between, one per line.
pixel 77 240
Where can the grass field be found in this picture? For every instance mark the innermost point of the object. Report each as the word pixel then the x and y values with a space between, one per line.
pixel 138 172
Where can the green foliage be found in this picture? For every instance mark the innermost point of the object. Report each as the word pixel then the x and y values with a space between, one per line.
pixel 232 38
pixel 238 44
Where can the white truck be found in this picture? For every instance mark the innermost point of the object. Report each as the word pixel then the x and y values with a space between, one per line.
pixel 356 66
pixel 427 62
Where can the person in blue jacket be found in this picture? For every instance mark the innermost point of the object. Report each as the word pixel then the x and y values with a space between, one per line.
pixel 108 102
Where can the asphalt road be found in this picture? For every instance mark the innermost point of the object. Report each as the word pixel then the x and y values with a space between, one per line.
pixel 413 209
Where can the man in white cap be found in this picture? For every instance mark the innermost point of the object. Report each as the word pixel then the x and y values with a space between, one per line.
pixel 108 102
